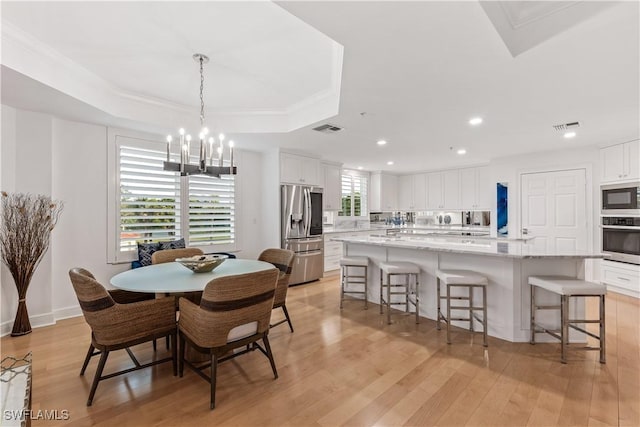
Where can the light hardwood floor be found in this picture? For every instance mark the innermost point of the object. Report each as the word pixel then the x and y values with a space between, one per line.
pixel 350 368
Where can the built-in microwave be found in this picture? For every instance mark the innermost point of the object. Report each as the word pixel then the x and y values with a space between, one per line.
pixel 621 199
pixel 621 238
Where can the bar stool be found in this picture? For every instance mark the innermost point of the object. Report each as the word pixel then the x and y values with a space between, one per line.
pixel 465 279
pixel 349 279
pixel 568 287
pixel 408 270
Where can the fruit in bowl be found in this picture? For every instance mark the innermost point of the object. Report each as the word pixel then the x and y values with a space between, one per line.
pixel 202 263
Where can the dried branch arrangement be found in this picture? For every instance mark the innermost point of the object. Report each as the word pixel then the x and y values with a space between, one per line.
pixel 25 229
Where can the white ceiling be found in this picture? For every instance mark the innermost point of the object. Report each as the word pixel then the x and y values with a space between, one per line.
pixel 418 70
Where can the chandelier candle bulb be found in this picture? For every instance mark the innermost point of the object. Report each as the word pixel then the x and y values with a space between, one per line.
pixel 211 151
pixel 231 155
pixel 169 138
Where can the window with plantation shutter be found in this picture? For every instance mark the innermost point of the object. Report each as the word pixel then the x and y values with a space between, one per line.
pixel 211 210
pixel 148 204
pixel 149 197
pixel 354 194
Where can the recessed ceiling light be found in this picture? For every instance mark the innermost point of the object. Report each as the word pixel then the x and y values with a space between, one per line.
pixel 569 134
pixel 389 163
pixel 360 168
pixel 461 151
pixel 382 142
pixel 475 121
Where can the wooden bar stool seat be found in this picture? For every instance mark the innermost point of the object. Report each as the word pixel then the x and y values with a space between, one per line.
pixel 347 279
pixel 409 290
pixel 465 279
pixel 566 288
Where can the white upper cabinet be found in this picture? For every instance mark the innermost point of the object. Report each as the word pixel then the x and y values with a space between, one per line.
pixel 384 192
pixel 475 189
pixel 331 174
pixel 620 162
pixel 412 192
pixel 405 192
pixel 443 190
pixel 296 169
pixel 434 191
pixel 451 189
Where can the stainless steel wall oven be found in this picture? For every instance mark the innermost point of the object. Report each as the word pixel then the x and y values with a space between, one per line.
pixel 621 238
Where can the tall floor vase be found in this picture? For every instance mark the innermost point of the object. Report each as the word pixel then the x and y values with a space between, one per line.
pixel 21 325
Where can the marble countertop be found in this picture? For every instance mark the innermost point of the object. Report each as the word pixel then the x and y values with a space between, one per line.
pixel 469 245
pixel 384 228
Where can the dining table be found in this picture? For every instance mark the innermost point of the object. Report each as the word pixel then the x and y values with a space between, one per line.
pixel 173 277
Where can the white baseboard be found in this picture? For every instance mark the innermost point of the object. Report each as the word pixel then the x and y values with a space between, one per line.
pixel 47 319
pixel 37 321
pixel 67 312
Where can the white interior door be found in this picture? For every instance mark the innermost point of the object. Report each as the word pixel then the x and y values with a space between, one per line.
pixel 554 208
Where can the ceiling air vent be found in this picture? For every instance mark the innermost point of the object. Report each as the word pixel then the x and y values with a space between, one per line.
pixel 567 126
pixel 328 128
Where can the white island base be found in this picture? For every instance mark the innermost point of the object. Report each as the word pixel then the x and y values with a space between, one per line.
pixel 508 295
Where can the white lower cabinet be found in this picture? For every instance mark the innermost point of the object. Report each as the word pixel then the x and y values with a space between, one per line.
pixel 333 250
pixel 621 277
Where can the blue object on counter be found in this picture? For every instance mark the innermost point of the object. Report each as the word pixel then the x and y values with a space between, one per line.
pixel 502 209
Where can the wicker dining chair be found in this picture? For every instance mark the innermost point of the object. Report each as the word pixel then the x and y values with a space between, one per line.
pixel 234 313
pixel 116 326
pixel 283 260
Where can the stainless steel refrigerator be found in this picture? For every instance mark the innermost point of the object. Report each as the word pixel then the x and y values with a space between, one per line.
pixel 301 230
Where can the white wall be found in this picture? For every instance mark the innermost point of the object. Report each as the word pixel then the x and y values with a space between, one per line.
pixel 68 161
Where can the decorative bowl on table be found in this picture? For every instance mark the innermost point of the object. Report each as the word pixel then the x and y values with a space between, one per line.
pixel 202 263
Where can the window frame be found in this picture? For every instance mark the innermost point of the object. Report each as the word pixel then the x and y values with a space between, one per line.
pixel 116 137
pixel 362 175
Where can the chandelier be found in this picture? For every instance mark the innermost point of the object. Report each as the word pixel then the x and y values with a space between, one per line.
pixel 207 164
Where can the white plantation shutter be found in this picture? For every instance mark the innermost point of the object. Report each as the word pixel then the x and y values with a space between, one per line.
pixel 354 195
pixel 211 210
pixel 153 205
pixel 149 197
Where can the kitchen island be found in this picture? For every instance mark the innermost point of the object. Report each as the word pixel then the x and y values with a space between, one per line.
pixel 506 263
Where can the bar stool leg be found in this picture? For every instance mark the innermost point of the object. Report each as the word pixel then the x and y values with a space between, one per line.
pixel 564 334
pixel 439 312
pixel 532 316
pixel 448 314
pixel 417 301
pixel 366 279
pixel 381 299
pixel 342 280
pixel 388 299
pixel 407 289
pixel 602 331
pixel 484 314
pixel 470 307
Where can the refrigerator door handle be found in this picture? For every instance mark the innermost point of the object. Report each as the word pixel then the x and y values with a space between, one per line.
pixel 307 211
pixel 309 253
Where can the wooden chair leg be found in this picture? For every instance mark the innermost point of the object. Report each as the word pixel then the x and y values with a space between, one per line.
pixel 214 372
pixel 155 345
pixel 98 376
pixel 86 359
pixel 167 342
pixel 267 347
pixel 286 314
pixel 174 353
pixel 181 358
